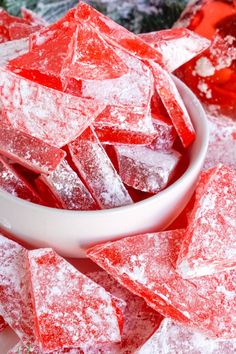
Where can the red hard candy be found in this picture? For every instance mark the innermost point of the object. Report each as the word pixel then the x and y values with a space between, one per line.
pixel 21 30
pixel 166 133
pixel 145 264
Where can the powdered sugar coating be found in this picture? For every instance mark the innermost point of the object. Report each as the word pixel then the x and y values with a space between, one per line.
pixel 70 309
pixel 145 264
pixel 166 134
pixel 214 216
pixel 13 49
pixel 172 338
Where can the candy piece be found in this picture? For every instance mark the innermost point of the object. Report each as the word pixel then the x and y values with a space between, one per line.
pixel 67 188
pixel 116 34
pixel 174 105
pixel 166 133
pixel 50 115
pixel 20 348
pixel 21 30
pixel 145 264
pixel 13 183
pixel 28 151
pixel 5 21
pixel 140 321
pixel 177 45
pixel 174 338
pixel 70 309
pixel 97 171
pixel 89 57
pixel 15 299
pixel 222 143
pixel 145 169
pixel 125 126
pixel 3 324
pixel 32 18
pixel 12 49
pixel 209 245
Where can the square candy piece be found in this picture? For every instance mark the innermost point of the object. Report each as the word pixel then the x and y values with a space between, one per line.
pixel 28 151
pixel 13 183
pixel 15 298
pixel 50 115
pixel 114 33
pixel 172 338
pixel 177 45
pixel 145 169
pixel 70 309
pixel 67 189
pixel 145 264
pixel 97 171
pixel 174 105
pixel 209 245
pixel 13 49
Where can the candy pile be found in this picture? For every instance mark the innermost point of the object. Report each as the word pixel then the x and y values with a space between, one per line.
pixel 74 90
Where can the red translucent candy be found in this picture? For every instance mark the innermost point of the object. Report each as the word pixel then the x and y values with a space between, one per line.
pixel 30 152
pixel 21 30
pixel 140 321
pixel 145 264
pixel 92 59
pixel 97 171
pixel 3 324
pixel 5 21
pixel 166 133
pixel 213 216
pixel 177 45
pixel 222 144
pixel 15 299
pixel 67 189
pixel 12 49
pixel 70 309
pixel 172 337
pixel 116 34
pixel 13 183
pixel 32 18
pixel 174 105
pixel 50 115
pixel 145 169
pixel 125 126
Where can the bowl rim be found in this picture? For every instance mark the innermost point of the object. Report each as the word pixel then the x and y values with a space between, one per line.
pixel 195 163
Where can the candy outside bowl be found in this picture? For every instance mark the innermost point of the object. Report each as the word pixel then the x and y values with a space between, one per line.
pixel 71 232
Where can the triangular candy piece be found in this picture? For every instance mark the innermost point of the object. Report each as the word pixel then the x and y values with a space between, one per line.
pixel 70 309
pixel 145 264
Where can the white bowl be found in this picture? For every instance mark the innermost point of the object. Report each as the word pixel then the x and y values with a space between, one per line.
pixel 70 232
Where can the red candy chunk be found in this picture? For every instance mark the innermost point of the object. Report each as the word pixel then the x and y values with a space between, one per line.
pixel 50 115
pixel 125 126
pixel 3 324
pixel 115 34
pixel 144 169
pixel 5 21
pixel 20 348
pixel 145 264
pixel 174 338
pixel 29 151
pixel 32 18
pixel 70 309
pixel 13 183
pixel 177 45
pixel 166 133
pixel 174 105
pixel 67 189
pixel 140 321
pixel 209 245
pixel 21 30
pixel 15 299
pixel 222 144
pixel 97 171
pixel 12 49
pixel 89 57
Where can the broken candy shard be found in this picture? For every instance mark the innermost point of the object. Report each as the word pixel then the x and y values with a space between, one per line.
pixel 145 169
pixel 13 183
pixel 116 34
pixel 97 171
pixel 174 105
pixel 177 45
pixel 90 57
pixel 5 21
pixel 30 152
pixel 67 189
pixel 70 309
pixel 21 30
pixel 145 265
pixel 209 245
pixel 15 298
pixel 174 338
pixel 13 49
pixel 166 133
pixel 124 125
pixel 50 115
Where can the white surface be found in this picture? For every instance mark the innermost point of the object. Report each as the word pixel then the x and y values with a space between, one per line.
pixel 69 232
